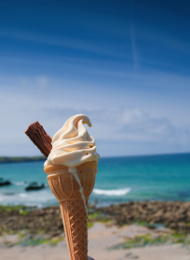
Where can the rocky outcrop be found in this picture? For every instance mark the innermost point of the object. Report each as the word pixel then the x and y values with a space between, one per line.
pixel 175 215
pixel 47 220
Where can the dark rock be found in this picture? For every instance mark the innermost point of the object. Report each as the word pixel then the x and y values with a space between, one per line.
pixel 34 186
pixel 4 182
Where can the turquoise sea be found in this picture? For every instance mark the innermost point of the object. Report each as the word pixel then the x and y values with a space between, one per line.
pixel 119 179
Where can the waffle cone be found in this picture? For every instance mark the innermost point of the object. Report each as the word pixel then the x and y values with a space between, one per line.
pixel 66 189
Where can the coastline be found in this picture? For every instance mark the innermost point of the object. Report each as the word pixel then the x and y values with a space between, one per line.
pixel 6 159
pixel 135 230
pixel 173 215
pixel 12 159
pixel 120 231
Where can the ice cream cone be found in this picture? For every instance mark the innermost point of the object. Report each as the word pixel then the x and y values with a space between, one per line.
pixel 66 189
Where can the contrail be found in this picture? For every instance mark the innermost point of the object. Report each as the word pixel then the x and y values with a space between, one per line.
pixel 133 40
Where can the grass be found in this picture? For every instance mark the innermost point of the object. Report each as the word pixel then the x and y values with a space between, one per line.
pixel 90 224
pixel 140 223
pixel 21 235
pixel 93 215
pixel 96 216
pixel 104 220
pixel 181 238
pixel 143 240
pixel 21 209
pixel 26 239
pixel 54 242
pixel 23 212
pixel 40 241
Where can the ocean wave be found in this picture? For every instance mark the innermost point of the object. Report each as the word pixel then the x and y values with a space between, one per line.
pixel 40 198
pixel 24 183
pixel 22 195
pixel 20 183
pixel 116 192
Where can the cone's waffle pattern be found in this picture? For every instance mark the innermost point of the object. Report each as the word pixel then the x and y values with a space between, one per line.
pixel 66 189
pixel 75 222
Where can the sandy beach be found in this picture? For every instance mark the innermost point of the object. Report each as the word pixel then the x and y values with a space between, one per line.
pixel 103 245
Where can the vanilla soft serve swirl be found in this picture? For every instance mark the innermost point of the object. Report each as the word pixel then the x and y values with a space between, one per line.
pixel 72 145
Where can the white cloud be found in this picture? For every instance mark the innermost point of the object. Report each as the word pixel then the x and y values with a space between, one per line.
pixel 133 116
pixel 121 123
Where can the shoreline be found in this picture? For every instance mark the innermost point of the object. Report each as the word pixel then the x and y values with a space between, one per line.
pixel 174 215
pixel 119 232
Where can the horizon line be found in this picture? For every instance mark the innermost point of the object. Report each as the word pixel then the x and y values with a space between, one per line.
pixel 112 156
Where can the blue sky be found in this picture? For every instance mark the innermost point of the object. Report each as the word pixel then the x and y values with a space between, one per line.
pixel 125 64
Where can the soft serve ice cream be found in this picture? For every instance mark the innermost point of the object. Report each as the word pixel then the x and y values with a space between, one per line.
pixel 72 145
pixel 72 159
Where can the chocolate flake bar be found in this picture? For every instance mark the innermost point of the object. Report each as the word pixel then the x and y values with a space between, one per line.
pixel 40 138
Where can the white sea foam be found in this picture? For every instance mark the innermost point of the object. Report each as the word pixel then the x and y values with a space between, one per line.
pixel 116 192
pixel 32 198
pixel 19 183
pixel 23 195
